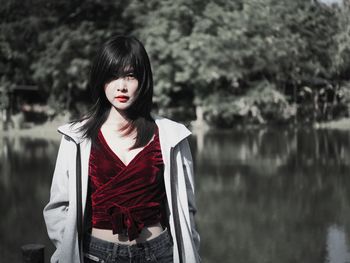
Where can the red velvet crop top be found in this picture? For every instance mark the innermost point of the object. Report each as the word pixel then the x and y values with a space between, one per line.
pixel 126 198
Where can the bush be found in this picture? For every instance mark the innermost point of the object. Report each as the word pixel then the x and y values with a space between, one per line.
pixel 261 104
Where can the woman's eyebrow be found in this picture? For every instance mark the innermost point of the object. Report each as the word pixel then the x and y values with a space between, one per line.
pixel 130 70
pixel 123 72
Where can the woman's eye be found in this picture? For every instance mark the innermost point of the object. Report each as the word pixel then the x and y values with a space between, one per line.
pixel 130 76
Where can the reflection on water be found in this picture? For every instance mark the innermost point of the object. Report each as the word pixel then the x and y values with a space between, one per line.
pixel 270 195
pixel 25 177
pixel 263 195
pixel 337 247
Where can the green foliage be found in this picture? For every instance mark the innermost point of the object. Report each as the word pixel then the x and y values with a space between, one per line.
pixel 64 62
pixel 51 44
pixel 262 103
pixel 341 51
pixel 224 46
pixel 244 60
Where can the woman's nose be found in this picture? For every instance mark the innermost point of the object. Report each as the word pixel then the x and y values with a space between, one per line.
pixel 121 84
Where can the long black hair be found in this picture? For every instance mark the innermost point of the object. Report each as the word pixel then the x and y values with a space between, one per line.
pixel 114 60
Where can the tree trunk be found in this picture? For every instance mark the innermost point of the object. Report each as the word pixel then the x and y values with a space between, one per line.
pixel 199 115
pixel 295 101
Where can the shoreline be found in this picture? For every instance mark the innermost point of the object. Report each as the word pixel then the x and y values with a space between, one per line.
pixel 340 124
pixel 42 131
pixel 49 130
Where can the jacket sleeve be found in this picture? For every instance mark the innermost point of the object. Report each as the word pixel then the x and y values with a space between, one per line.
pixel 188 169
pixel 55 212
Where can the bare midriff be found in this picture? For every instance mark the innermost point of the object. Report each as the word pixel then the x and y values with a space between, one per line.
pixel 147 233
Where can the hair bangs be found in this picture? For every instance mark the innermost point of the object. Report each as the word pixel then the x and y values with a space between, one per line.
pixel 127 61
pixel 123 66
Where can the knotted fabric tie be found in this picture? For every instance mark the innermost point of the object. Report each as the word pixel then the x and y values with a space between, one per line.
pixel 125 218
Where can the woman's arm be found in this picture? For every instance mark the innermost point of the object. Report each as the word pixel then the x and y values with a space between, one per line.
pixel 55 212
pixel 188 170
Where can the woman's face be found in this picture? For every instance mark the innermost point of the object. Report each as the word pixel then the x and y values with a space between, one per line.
pixel 121 92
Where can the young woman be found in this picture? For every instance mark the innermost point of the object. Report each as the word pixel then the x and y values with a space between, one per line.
pixel 122 189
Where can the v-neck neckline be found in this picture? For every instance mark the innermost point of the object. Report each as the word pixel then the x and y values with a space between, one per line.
pixel 106 145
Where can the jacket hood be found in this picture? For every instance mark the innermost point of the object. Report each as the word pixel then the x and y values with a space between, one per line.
pixel 173 132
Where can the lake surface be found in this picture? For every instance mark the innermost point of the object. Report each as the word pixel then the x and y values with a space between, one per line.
pixel 264 195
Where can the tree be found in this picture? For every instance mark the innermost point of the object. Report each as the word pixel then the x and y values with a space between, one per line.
pixel 56 43
pixel 225 48
pixel 205 55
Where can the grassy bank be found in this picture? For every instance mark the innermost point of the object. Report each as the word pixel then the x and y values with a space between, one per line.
pixel 49 130
pixel 46 131
pixel 341 124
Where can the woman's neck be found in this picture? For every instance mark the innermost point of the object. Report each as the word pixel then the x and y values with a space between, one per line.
pixel 116 118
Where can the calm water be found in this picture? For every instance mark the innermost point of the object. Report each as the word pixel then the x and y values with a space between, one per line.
pixel 271 195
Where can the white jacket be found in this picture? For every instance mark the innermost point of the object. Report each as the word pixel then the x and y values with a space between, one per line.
pixel 61 214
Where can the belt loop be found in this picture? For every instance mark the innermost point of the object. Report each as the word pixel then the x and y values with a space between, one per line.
pixel 148 255
pixel 115 251
pixel 129 252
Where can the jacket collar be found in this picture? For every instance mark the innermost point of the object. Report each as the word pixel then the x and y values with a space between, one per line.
pixel 171 131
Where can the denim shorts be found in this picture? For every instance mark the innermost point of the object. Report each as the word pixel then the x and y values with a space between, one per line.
pixel 155 250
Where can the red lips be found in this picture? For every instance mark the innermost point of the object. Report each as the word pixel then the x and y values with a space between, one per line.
pixel 122 98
